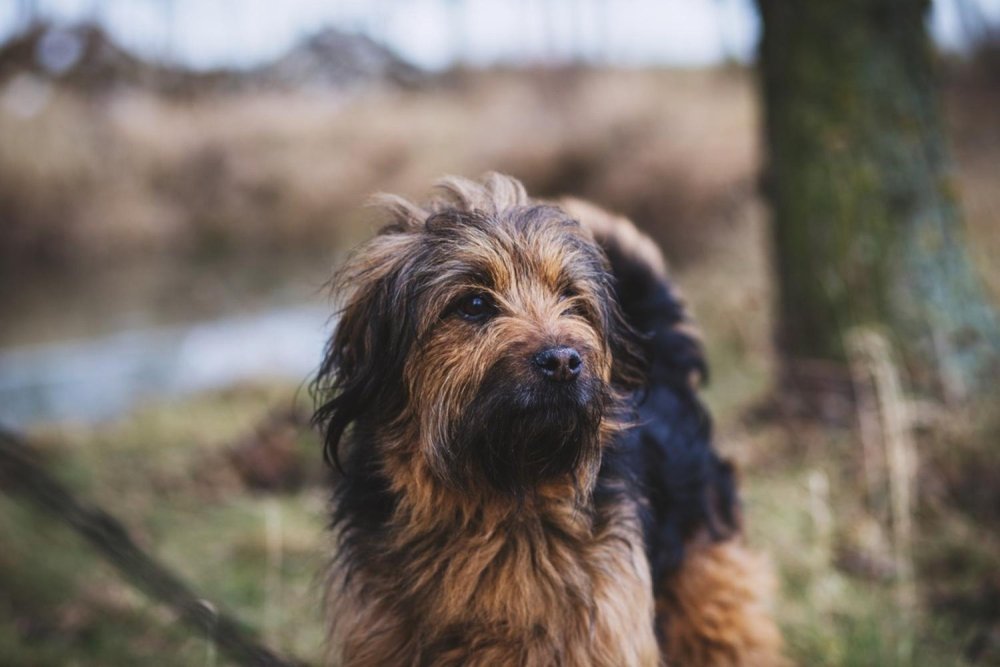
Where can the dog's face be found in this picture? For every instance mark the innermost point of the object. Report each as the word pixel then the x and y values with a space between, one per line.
pixel 491 342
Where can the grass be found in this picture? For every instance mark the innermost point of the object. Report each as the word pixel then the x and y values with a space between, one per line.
pixel 164 471
pixel 829 616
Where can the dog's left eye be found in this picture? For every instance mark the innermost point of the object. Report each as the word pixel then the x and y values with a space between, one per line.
pixel 476 307
pixel 568 293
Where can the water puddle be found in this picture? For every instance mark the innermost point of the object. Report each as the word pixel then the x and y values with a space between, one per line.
pixel 97 379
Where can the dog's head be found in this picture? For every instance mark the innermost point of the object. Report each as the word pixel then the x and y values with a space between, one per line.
pixel 481 332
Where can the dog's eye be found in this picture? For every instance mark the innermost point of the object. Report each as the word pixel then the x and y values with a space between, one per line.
pixel 476 307
pixel 567 293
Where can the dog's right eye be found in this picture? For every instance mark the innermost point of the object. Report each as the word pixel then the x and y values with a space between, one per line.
pixel 476 307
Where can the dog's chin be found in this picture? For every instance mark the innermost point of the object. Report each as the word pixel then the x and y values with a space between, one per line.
pixel 517 438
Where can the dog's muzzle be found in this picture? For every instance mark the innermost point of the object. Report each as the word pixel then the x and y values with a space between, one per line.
pixel 531 423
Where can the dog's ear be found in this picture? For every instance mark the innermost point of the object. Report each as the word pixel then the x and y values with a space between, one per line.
pixel 361 374
pixel 651 334
pixel 669 349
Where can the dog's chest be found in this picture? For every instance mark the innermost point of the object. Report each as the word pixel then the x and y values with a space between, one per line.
pixel 526 593
pixel 568 602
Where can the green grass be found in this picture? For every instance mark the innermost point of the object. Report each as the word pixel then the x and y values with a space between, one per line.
pixel 162 471
pixel 828 616
pixel 260 555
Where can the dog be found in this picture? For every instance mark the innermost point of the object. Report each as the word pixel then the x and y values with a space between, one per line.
pixel 526 469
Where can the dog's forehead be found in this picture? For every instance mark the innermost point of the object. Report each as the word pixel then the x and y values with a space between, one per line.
pixel 538 244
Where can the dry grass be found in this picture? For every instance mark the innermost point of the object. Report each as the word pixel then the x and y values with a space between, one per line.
pixel 102 177
pixel 130 174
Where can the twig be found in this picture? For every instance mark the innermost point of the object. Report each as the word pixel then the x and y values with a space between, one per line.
pixel 872 350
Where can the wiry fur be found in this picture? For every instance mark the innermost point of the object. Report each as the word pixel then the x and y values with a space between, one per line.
pixel 487 518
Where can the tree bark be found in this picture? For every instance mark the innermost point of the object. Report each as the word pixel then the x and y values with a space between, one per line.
pixel 866 228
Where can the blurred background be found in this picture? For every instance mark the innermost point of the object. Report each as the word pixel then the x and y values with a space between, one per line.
pixel 178 179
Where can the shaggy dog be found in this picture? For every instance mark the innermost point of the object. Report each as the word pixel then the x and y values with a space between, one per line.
pixel 527 470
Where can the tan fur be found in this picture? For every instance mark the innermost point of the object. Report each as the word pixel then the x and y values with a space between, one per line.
pixel 715 611
pixel 507 579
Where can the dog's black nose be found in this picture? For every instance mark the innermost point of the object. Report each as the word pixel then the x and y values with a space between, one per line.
pixel 559 364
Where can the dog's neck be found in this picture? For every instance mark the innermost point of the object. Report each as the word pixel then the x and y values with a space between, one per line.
pixel 427 498
pixel 425 502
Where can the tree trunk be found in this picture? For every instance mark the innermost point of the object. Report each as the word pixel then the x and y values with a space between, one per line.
pixel 866 227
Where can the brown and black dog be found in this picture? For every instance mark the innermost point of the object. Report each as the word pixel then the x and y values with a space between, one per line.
pixel 527 470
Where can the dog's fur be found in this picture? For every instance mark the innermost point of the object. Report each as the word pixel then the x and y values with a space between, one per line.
pixel 489 516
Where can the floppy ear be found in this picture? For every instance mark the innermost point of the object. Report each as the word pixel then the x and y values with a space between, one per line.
pixel 362 368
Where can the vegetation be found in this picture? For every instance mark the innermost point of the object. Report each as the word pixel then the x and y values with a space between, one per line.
pixel 92 178
pixel 168 471
pixel 675 150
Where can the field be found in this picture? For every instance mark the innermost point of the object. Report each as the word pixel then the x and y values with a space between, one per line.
pixel 228 487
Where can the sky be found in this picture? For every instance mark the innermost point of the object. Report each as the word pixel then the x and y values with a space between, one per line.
pixel 436 33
